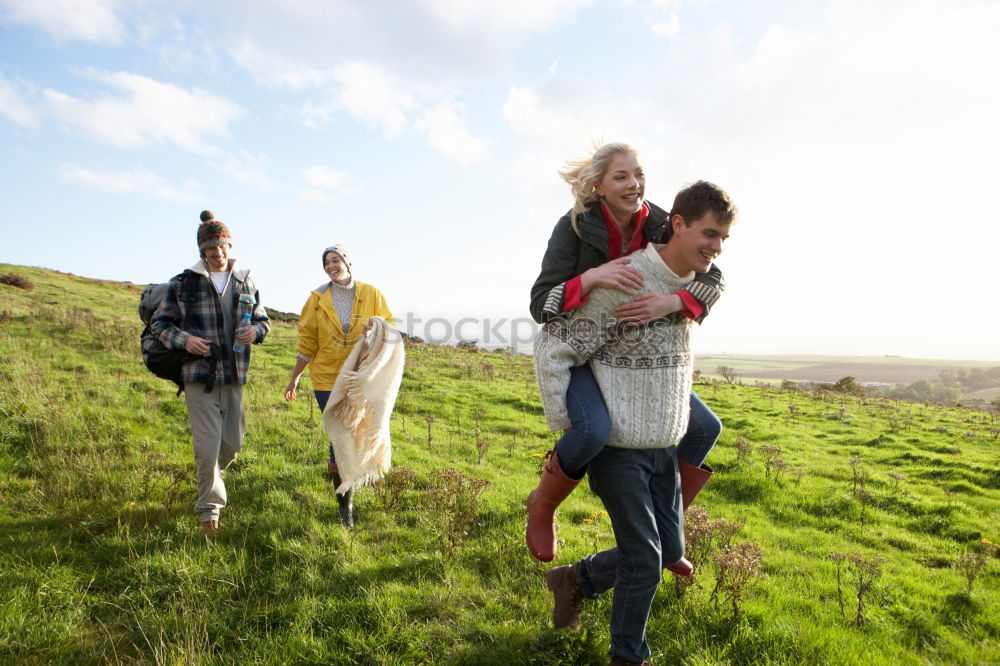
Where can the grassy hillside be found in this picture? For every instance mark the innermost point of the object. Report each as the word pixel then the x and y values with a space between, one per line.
pixel 101 560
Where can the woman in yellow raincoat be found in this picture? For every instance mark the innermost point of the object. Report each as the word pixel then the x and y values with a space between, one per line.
pixel 335 317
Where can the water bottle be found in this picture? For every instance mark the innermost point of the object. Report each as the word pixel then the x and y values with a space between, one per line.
pixel 238 345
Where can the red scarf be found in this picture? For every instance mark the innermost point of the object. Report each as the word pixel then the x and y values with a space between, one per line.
pixel 615 235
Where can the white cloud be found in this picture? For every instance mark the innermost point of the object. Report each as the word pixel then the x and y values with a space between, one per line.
pixel 312 196
pixel 510 15
pixel 366 93
pixel 374 97
pixel 326 184
pixel 178 46
pixel 136 181
pixel 670 28
pixel 276 71
pixel 566 110
pixel 371 95
pixel 325 177
pixel 437 44
pixel 244 166
pixel 446 132
pixel 83 20
pixel 14 105
pixel 147 111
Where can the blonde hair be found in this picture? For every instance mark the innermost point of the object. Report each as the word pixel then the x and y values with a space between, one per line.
pixel 582 174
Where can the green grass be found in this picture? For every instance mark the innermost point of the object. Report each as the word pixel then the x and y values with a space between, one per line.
pixel 101 560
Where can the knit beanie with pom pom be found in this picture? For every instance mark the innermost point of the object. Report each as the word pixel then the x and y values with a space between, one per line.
pixel 211 232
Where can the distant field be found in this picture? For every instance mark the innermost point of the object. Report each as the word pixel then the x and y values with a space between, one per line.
pixel 891 369
pixel 986 395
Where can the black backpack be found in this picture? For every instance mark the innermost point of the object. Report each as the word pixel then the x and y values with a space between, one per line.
pixel 161 361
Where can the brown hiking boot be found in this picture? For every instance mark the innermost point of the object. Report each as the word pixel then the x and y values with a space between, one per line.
pixel 210 527
pixel 622 661
pixel 567 597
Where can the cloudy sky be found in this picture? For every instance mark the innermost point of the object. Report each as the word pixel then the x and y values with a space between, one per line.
pixel 858 136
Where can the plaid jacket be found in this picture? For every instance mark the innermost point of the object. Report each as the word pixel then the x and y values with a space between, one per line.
pixel 204 320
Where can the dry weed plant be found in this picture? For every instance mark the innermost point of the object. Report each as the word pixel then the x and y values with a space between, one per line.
pixel 896 479
pixel 838 560
pixel 744 451
pixel 737 569
pixel 158 471
pixel 480 443
pixel 702 536
pixel 19 281
pixel 482 447
pixel 774 465
pixel 454 501
pixel 972 564
pixel 866 570
pixel 489 370
pixel 430 418
pixel 858 472
pixel 478 413
pixel 698 534
pixel 390 488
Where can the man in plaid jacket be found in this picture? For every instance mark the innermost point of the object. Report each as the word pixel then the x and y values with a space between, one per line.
pixel 218 306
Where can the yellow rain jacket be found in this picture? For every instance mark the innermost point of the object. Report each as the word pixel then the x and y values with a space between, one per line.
pixel 321 333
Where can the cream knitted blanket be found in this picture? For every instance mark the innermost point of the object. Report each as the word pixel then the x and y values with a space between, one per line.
pixel 357 414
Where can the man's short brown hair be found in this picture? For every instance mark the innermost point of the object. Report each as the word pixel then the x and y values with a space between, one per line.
pixel 699 198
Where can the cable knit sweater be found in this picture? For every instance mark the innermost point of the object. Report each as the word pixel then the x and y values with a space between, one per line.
pixel 644 372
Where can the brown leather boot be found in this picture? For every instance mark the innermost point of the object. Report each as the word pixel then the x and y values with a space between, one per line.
pixel 693 479
pixel 567 597
pixel 622 661
pixel 553 488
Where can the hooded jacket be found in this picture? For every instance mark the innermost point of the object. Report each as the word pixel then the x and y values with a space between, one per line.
pixel 322 340
pixel 205 319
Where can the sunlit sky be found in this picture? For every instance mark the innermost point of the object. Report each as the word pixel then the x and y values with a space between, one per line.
pixel 859 139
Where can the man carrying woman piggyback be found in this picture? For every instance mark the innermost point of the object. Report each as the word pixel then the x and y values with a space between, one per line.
pixel 588 249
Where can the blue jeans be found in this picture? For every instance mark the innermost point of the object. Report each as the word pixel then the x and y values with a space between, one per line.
pixel 321 398
pixel 592 426
pixel 641 491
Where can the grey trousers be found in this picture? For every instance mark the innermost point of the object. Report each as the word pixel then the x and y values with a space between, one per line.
pixel 217 424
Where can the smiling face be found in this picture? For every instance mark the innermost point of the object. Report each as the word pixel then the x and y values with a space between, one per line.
pixel 335 267
pixel 622 187
pixel 217 257
pixel 693 247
